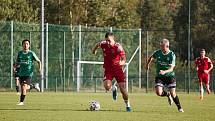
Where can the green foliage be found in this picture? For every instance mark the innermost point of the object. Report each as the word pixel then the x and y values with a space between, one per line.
pixel 18 10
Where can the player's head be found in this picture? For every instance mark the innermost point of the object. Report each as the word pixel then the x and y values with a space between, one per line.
pixel 164 44
pixel 109 36
pixel 25 44
pixel 202 52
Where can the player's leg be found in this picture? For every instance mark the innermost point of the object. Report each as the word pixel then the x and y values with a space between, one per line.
pixel 125 96
pixel 17 84
pixel 107 84
pixel 176 99
pixel 207 81
pixel 159 87
pixel 23 93
pixel 119 75
pixel 25 85
pixel 108 77
pixel 201 89
pixel 159 84
pixel 171 84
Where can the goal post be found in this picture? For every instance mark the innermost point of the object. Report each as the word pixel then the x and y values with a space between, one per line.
pixel 79 73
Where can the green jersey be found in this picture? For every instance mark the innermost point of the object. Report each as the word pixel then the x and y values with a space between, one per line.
pixel 25 63
pixel 164 62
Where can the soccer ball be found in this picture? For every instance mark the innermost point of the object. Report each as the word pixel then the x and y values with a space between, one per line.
pixel 94 105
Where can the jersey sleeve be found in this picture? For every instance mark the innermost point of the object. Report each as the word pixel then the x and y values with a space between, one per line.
pixel 35 58
pixel 172 62
pixel 155 54
pixel 17 58
pixel 101 43
pixel 209 61
pixel 121 51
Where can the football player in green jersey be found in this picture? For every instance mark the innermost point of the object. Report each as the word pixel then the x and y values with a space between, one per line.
pixel 25 60
pixel 165 76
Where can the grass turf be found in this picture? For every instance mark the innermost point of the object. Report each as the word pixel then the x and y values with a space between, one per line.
pixel 75 107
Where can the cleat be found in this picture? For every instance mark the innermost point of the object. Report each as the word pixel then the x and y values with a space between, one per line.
pixel 128 109
pixel 114 92
pixel 20 103
pixel 37 87
pixel 170 100
pixel 181 110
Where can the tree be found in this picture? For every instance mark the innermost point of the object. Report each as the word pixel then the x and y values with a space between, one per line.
pixel 18 10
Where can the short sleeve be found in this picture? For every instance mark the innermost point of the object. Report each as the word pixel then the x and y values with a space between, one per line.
pixel 120 50
pixel 35 57
pixel 155 54
pixel 102 43
pixel 209 61
pixel 173 59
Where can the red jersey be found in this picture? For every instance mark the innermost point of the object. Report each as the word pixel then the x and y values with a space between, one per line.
pixel 203 64
pixel 112 53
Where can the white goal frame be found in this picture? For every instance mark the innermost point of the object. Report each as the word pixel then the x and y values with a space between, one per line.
pixel 79 63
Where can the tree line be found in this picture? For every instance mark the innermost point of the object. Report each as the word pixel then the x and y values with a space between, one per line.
pixel 145 14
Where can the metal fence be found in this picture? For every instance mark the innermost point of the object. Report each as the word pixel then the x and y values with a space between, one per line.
pixel 65 45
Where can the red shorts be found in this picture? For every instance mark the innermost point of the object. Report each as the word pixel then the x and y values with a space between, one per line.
pixel 110 73
pixel 203 77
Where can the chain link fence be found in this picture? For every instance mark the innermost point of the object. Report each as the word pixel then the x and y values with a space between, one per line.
pixel 65 45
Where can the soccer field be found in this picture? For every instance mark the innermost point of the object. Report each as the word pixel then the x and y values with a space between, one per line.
pixel 75 107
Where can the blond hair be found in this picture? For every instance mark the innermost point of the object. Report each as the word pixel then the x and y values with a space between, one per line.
pixel 164 42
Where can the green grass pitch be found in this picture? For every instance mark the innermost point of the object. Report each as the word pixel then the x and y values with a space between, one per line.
pixel 74 107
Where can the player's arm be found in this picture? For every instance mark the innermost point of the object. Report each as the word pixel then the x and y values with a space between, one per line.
pixel 196 62
pixel 122 55
pixel 162 72
pixel 40 65
pixel 123 60
pixel 38 62
pixel 211 65
pixel 98 45
pixel 149 62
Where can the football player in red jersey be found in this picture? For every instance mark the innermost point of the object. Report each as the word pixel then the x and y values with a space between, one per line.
pixel 203 68
pixel 114 59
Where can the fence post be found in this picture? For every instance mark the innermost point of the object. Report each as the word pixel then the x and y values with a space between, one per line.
pixel 127 77
pixel 47 54
pixel 140 32
pixel 147 56
pixel 189 50
pixel 79 52
pixel 11 56
pixel 64 66
pixel 78 76
pixel 42 44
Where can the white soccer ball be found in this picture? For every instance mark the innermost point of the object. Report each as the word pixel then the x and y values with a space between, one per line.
pixel 94 105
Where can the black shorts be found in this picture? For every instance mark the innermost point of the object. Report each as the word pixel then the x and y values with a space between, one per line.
pixel 25 80
pixel 168 81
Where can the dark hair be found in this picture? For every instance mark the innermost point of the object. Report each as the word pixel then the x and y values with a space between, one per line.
pixel 108 34
pixel 202 50
pixel 25 41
